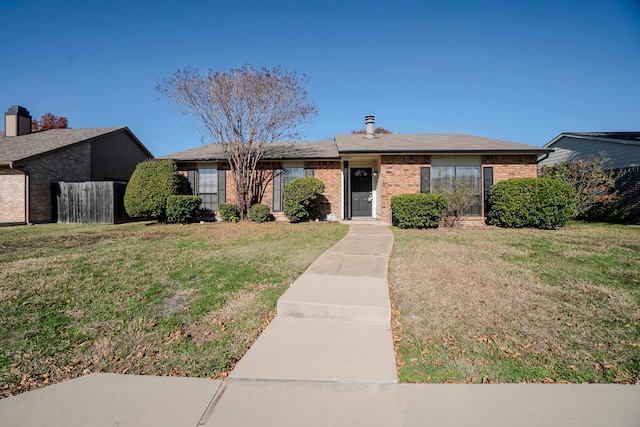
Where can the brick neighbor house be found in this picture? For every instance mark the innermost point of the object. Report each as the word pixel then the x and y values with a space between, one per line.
pixel 31 161
pixel 361 172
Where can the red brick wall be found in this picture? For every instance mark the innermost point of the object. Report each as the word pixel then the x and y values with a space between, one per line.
pixel 399 175
pixel 330 173
pixel 12 196
pixel 511 166
pixel 70 164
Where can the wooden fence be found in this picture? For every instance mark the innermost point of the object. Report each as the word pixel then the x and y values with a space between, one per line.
pixel 628 186
pixel 89 202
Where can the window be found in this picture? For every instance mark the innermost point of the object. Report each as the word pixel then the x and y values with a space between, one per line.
pixel 425 179
pixel 282 177
pixel 208 188
pixel 454 178
pixel 488 182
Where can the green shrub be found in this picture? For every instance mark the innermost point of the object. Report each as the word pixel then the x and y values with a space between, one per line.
pixel 259 213
pixel 531 202
pixel 182 209
pixel 422 210
pixel 151 183
pixel 614 208
pixel 228 212
pixel 300 197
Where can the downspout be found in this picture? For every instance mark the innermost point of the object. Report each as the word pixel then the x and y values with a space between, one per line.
pixel 545 156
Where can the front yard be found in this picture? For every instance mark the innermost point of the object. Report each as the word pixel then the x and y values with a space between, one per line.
pixel 494 305
pixel 473 305
pixel 137 299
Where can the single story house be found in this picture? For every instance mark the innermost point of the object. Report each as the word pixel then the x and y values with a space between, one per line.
pixel 361 172
pixel 621 148
pixel 31 161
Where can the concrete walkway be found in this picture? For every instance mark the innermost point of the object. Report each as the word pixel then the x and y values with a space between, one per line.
pixel 326 359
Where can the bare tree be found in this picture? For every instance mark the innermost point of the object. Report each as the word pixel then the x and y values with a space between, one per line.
pixel 243 110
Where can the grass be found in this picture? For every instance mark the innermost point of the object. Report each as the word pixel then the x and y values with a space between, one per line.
pixel 496 305
pixel 156 300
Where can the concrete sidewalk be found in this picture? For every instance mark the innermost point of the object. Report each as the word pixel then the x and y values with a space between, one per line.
pixel 334 323
pixel 326 359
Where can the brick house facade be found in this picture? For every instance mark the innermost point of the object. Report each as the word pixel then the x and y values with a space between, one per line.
pixel 361 173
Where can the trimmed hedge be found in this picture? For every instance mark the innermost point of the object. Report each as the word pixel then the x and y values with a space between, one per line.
pixel 300 197
pixel 544 203
pixel 182 209
pixel 259 213
pixel 228 212
pixel 422 210
pixel 151 183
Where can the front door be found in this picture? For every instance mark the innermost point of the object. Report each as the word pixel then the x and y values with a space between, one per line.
pixel 361 186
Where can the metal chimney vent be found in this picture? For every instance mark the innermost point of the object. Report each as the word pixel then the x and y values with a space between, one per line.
pixel 369 127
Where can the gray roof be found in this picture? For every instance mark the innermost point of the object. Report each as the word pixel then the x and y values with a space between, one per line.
pixel 431 143
pixel 383 143
pixel 619 137
pixel 317 150
pixel 17 148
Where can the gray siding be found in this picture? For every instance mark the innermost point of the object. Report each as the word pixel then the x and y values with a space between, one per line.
pixel 621 155
pixel 115 156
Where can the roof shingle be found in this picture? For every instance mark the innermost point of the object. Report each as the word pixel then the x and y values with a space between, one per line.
pixel 326 150
pixel 17 148
pixel 431 143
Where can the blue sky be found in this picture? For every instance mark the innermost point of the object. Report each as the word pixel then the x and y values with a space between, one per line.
pixel 521 71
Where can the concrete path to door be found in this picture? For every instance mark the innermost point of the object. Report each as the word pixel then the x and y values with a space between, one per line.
pixel 325 360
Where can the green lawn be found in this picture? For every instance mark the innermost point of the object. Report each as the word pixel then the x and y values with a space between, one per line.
pixel 142 299
pixel 502 305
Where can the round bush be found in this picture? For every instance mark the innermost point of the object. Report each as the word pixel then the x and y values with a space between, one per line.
pixel 531 202
pixel 259 213
pixel 182 209
pixel 300 197
pixel 151 183
pixel 228 212
pixel 422 210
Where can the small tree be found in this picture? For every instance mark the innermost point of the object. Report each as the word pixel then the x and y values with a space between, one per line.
pixel 460 197
pixel 591 182
pixel 151 183
pixel 244 110
pixel 300 197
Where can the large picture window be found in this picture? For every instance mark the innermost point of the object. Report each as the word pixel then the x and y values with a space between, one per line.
pixel 447 179
pixel 208 188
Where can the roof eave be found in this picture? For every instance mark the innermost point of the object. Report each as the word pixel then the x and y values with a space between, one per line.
pixel 470 152
pixel 590 137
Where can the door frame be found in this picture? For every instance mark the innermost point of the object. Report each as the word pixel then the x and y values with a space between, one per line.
pixel 371 170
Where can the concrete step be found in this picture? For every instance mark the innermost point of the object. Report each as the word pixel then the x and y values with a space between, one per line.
pixel 320 350
pixel 337 298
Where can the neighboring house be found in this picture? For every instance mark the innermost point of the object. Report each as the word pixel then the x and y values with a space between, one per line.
pixel 362 172
pixel 621 148
pixel 31 161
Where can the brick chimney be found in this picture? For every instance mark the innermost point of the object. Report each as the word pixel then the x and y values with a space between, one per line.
pixel 369 127
pixel 17 121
